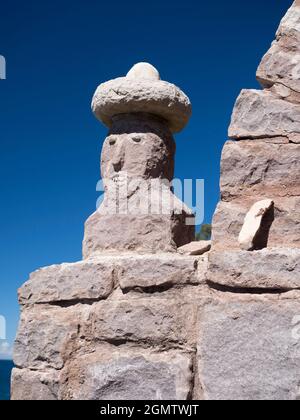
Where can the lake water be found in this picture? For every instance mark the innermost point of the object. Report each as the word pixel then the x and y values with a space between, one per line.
pixel 5 372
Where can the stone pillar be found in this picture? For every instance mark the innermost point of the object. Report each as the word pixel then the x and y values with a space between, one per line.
pixel 249 346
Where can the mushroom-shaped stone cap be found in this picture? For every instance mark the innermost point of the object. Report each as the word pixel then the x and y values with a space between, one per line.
pixel 142 91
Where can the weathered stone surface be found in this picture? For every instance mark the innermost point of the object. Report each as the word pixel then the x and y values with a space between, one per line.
pixel 272 268
pixel 151 233
pixel 95 278
pixel 127 375
pixel 164 270
pixel 195 248
pixel 283 92
pixel 252 168
pixel 260 114
pixel 89 279
pixel 249 348
pixel 253 228
pixel 126 323
pixel 43 335
pixel 229 217
pixel 34 385
pixel 134 95
pixel 147 321
pixel 281 64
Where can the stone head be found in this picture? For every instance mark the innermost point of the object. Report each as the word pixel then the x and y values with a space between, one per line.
pixel 138 146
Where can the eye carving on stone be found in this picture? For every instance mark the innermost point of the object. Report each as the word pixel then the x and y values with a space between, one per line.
pixel 137 139
pixel 112 141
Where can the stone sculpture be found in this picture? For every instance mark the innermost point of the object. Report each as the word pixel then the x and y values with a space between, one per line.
pixel 137 166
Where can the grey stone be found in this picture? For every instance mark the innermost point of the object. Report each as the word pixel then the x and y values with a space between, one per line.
pixel 260 114
pixel 112 375
pixel 34 385
pixel 139 211
pixel 272 268
pixel 134 95
pixel 137 165
pixel 251 168
pixel 143 71
pixel 229 217
pixel 249 345
pixel 89 279
pixel 283 92
pixel 148 321
pixel 281 64
pixel 249 348
pixel 276 140
pixel 44 334
pixel 195 248
pixel 138 146
pixel 164 270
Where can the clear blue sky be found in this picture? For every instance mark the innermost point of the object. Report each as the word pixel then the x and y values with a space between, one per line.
pixel 57 52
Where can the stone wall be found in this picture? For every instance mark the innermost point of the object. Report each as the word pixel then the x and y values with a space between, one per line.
pixel 110 328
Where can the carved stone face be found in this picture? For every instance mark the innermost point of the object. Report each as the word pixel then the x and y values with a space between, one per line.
pixel 137 151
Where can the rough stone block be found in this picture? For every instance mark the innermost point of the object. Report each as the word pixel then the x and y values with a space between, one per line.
pixel 151 321
pixel 256 226
pixel 279 66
